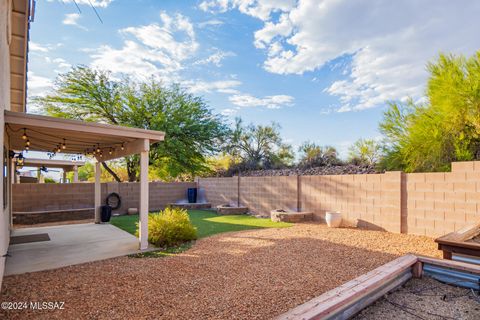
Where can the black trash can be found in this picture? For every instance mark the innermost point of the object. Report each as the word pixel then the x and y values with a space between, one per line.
pixel 192 195
pixel 105 213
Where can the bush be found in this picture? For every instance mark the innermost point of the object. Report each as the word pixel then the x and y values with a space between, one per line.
pixel 170 227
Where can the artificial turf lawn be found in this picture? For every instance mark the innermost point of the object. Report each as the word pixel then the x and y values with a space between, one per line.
pixel 208 223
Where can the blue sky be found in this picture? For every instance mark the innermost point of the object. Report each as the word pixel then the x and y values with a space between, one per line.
pixel 322 69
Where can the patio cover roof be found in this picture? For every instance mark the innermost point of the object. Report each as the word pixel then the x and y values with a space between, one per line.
pixel 47 133
pixel 65 165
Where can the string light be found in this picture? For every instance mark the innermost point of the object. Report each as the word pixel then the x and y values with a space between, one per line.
pixel 98 149
pixel 58 148
pixel 123 146
pixel 27 148
pixel 24 137
pixel 27 143
pixel 64 146
pixel 110 151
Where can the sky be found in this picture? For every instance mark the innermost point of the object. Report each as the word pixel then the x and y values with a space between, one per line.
pixel 323 69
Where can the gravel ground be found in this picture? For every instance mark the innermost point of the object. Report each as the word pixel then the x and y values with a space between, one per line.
pixel 255 274
pixel 426 299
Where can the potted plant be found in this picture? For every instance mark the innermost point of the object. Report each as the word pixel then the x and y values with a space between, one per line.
pixel 333 219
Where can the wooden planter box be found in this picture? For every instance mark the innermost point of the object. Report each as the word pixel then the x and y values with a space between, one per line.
pixel 460 242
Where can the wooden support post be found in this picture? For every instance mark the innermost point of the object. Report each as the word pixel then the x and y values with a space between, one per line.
pixel 75 173
pixel 417 269
pixel 98 191
pixel 64 176
pixel 144 206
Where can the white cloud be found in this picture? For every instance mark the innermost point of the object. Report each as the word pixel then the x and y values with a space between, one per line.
pixel 216 58
pixel 388 42
pixel 199 86
pixel 71 19
pixel 270 102
pixel 157 49
pixel 229 111
pixel 36 47
pixel 260 9
pixel 211 23
pixel 38 85
pixel 96 3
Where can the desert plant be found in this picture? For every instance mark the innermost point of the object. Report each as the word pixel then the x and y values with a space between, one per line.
pixel 170 227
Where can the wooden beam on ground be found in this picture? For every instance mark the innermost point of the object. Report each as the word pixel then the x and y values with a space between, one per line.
pixel 351 297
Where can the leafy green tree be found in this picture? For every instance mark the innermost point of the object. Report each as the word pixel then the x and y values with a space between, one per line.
pixel 258 147
pixel 313 155
pixel 365 151
pixel 193 131
pixel 428 137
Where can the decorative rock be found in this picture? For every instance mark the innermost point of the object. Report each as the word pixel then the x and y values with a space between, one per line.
pixel 290 216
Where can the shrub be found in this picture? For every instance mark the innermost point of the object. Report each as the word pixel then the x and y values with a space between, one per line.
pixel 170 227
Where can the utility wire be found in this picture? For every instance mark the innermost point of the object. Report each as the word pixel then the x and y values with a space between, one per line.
pixel 95 10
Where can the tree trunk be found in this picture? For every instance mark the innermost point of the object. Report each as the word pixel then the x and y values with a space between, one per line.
pixel 132 173
pixel 112 173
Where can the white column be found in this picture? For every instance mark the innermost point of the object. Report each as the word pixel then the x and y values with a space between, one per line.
pixel 143 209
pixel 98 191
pixel 75 173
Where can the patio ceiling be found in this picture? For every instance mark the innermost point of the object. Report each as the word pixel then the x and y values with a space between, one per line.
pixel 48 134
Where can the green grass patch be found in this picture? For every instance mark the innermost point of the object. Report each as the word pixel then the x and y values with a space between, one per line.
pixel 208 223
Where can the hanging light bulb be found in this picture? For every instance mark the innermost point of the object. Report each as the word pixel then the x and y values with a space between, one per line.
pixel 58 148
pixel 110 151
pixel 101 155
pixel 24 137
pixel 123 146
pixel 98 149
pixel 27 148
pixel 27 143
pixel 64 146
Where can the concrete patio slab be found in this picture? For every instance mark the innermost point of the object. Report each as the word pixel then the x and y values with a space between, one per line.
pixel 68 245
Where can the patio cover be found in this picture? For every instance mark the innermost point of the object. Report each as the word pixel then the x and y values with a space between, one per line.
pixel 104 142
pixel 65 165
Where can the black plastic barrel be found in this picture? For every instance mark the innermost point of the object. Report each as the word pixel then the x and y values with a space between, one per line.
pixel 192 195
pixel 105 213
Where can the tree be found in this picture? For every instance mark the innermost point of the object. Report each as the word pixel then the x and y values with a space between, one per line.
pixel 258 147
pixel 428 137
pixel 313 155
pixel 365 151
pixel 193 131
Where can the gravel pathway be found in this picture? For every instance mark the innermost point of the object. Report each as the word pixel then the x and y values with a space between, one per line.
pixel 255 274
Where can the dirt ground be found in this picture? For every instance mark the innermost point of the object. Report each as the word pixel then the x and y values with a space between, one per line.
pixel 425 298
pixel 255 274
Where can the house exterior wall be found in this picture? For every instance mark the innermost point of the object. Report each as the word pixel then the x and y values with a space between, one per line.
pixel 4 105
pixel 430 204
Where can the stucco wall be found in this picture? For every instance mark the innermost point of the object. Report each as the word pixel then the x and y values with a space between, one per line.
pixel 4 105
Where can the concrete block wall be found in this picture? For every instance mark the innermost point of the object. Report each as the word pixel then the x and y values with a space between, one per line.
pixel 220 190
pixel 49 196
pixel 439 203
pixel 370 201
pixel 263 194
pixel 430 204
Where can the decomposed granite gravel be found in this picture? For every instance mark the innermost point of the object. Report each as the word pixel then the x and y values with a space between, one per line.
pixel 255 274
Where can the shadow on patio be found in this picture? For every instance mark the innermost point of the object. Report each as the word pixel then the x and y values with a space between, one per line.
pixel 68 245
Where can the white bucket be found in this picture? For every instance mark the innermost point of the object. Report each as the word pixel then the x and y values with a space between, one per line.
pixel 333 218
